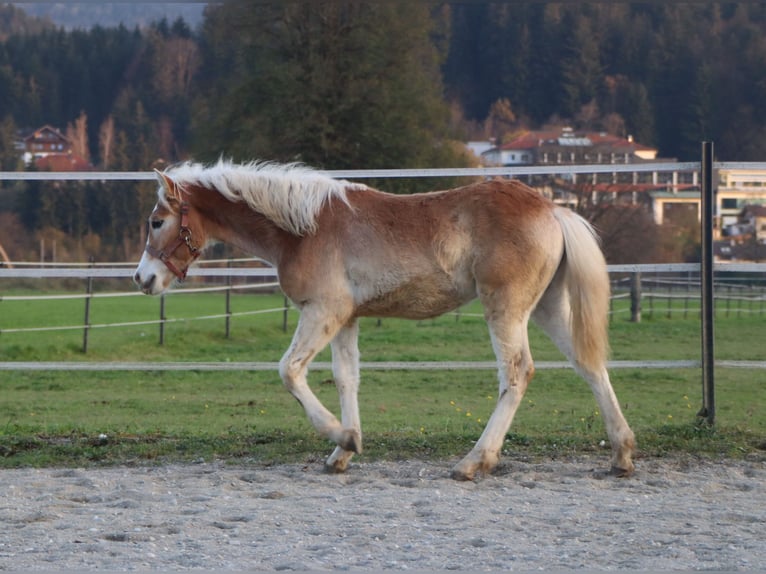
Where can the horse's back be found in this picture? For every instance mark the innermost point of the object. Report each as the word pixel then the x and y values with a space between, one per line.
pixel 422 255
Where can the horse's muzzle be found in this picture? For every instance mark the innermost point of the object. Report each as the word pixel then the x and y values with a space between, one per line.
pixel 146 286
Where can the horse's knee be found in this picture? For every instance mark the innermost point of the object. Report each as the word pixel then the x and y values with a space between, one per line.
pixel 290 371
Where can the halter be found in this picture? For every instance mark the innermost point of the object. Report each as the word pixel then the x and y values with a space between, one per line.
pixel 184 238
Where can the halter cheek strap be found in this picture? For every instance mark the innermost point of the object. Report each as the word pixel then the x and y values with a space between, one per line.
pixel 184 238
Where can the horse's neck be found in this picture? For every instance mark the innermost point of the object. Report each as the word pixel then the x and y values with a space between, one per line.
pixel 237 225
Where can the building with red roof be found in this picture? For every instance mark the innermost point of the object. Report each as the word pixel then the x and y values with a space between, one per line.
pixel 567 146
pixel 50 150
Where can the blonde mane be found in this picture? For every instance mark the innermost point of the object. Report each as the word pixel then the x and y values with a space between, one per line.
pixel 290 195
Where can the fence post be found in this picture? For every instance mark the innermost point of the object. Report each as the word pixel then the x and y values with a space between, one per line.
pixel 708 301
pixel 670 298
pixel 162 319
pixel 88 297
pixel 284 315
pixel 228 302
pixel 635 297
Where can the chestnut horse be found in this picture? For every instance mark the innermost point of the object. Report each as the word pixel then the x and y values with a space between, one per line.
pixel 343 250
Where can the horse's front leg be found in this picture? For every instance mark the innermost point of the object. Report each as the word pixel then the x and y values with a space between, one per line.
pixel 345 368
pixel 316 328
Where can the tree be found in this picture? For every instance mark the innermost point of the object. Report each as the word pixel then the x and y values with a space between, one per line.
pixel 501 120
pixel 342 84
pixel 581 68
pixel 77 133
pixel 106 141
pixel 638 113
pixel 9 155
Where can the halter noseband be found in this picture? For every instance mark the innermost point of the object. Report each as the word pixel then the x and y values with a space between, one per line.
pixel 184 238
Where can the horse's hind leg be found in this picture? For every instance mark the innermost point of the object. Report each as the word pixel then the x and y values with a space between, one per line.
pixel 515 370
pixel 553 316
pixel 315 329
pixel 345 368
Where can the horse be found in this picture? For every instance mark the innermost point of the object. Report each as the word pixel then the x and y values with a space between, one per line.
pixel 343 250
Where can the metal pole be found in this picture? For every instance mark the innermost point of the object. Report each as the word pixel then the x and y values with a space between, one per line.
pixel 228 303
pixel 708 315
pixel 162 319
pixel 88 298
pixel 635 297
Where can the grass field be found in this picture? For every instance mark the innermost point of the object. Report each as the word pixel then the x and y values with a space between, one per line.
pixel 66 418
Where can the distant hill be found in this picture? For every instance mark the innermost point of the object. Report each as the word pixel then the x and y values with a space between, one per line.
pixel 82 15
pixel 14 20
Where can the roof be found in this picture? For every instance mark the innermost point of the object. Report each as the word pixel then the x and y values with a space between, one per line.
pixel 534 139
pixel 45 132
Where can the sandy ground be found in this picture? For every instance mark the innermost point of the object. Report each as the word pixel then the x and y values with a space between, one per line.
pixel 671 515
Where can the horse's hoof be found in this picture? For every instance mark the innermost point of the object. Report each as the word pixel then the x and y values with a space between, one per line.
pixel 618 472
pixel 335 468
pixel 461 475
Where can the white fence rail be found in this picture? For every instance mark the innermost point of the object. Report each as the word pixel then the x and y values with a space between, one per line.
pixel 268 280
pixel 513 171
pixel 21 270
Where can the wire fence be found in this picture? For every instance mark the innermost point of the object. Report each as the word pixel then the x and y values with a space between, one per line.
pixel 678 293
pixel 669 289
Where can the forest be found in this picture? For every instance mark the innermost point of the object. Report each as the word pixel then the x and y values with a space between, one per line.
pixel 352 84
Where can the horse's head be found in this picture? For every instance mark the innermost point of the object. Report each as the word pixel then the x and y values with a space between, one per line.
pixel 172 244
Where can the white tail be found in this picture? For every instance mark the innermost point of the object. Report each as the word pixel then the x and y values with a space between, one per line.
pixel 587 283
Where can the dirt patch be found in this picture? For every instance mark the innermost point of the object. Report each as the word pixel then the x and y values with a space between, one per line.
pixel 671 514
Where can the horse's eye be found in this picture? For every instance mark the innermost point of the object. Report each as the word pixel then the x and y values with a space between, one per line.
pixel 156 223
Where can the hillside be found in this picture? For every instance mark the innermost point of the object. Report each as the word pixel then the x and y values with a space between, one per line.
pixel 15 20
pixel 82 15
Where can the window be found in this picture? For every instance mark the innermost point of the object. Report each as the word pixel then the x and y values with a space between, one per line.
pixel 729 203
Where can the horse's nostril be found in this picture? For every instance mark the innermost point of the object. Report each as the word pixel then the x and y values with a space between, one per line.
pixel 146 286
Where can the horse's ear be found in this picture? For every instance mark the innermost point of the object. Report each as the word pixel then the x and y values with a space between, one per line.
pixel 171 189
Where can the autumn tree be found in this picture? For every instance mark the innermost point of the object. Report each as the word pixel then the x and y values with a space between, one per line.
pixel 501 121
pixel 77 133
pixel 106 141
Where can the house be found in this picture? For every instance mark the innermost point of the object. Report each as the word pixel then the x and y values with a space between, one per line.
pixel 566 146
pixel 69 161
pixel 739 249
pixel 737 189
pixel 753 220
pixel 50 150
pixel 42 142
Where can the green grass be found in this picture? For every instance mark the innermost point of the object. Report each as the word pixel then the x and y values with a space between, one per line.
pixel 61 418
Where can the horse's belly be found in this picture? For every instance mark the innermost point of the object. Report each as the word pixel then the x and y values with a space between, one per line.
pixel 417 299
